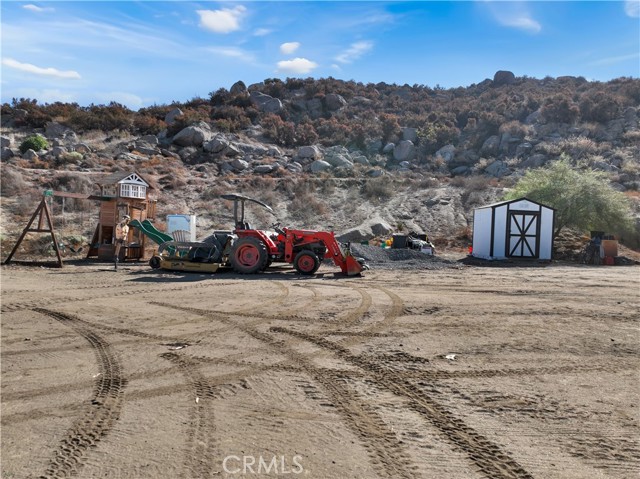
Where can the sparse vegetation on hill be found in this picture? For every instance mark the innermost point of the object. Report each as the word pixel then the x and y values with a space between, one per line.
pixel 334 154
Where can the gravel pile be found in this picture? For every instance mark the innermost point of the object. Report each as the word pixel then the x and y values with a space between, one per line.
pixel 401 258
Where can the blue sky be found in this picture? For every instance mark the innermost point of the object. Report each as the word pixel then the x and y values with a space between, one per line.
pixel 141 53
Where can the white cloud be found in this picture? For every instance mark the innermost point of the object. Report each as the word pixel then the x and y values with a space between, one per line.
pixel 261 32
pixel 296 66
pixel 614 60
pixel 36 70
pixel 524 23
pixel 355 51
pixel 226 20
pixel 514 15
pixel 37 9
pixel 289 48
pixel 336 67
pixel 232 52
pixel 632 8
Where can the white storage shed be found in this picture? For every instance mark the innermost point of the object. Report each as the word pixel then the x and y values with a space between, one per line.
pixel 519 228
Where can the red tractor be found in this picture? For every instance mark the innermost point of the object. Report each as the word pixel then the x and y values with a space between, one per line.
pixel 254 250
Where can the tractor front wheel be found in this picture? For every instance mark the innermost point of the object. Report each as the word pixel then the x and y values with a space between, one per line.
pixel 249 255
pixel 306 262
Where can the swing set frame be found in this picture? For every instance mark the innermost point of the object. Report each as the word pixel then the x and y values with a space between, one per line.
pixel 45 224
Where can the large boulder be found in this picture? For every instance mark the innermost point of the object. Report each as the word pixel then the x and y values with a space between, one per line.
pixel 367 230
pixel 523 149
pixel 314 107
pixel 265 169
pixel 532 118
pixel 334 102
pixel 405 151
pixel 6 153
pixel 194 135
pixel 266 103
pixel 238 88
pixel 5 141
pixel 216 145
pixel 239 165
pixel 149 139
pixel 309 152
pixel 388 148
pixel 490 146
pixel 360 159
pixel 446 153
pixel 232 150
pixel 503 77
pixel 58 151
pixel 53 129
pixel 295 167
pixel 319 165
pixel 339 161
pixel 30 155
pixel 171 117
pixel 498 169
pixel 82 148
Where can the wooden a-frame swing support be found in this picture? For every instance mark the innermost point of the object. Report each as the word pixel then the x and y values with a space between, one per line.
pixel 43 213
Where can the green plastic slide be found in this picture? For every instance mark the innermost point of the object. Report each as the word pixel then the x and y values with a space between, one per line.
pixel 148 229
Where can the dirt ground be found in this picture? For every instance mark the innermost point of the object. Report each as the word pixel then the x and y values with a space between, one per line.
pixel 457 373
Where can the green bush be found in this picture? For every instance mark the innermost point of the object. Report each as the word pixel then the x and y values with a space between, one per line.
pixel 35 143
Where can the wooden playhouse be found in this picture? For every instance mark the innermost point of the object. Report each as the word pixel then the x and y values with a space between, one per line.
pixel 122 193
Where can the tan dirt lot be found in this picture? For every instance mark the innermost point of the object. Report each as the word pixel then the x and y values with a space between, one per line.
pixel 141 373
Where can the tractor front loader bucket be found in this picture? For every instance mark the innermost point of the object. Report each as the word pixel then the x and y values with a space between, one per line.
pixel 352 266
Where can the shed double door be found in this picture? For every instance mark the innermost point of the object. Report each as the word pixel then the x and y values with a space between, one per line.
pixel 523 234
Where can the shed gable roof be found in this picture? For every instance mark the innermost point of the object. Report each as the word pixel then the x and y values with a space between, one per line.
pixel 506 202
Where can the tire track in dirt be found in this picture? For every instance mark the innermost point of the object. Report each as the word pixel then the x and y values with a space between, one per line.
pixel 386 451
pixel 200 441
pixel 10 308
pixel 128 331
pixel 104 411
pixel 486 455
pixel 408 366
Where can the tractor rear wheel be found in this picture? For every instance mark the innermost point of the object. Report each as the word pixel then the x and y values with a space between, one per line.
pixel 306 262
pixel 249 255
pixel 154 262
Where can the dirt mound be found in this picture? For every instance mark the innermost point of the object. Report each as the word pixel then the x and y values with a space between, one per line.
pixel 400 258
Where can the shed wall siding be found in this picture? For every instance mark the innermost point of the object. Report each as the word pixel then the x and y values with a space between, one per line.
pixel 482 233
pixel 500 232
pixel 546 234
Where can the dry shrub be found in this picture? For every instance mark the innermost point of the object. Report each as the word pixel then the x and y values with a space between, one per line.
pixel 73 183
pixel 631 137
pixel 578 147
pixel 515 128
pixel 378 189
pixel 305 204
pixel 12 183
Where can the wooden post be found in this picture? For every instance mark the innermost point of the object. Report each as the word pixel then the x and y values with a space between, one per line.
pixel 43 207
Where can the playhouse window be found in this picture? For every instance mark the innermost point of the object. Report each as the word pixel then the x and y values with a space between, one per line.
pixel 132 191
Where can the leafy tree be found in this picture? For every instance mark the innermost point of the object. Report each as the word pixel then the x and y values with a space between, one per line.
pixel 583 198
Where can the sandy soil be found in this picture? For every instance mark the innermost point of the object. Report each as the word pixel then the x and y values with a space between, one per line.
pixel 142 374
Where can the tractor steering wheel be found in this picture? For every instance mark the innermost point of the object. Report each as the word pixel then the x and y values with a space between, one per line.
pixel 277 228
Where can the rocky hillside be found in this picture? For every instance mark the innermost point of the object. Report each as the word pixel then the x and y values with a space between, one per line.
pixel 359 159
